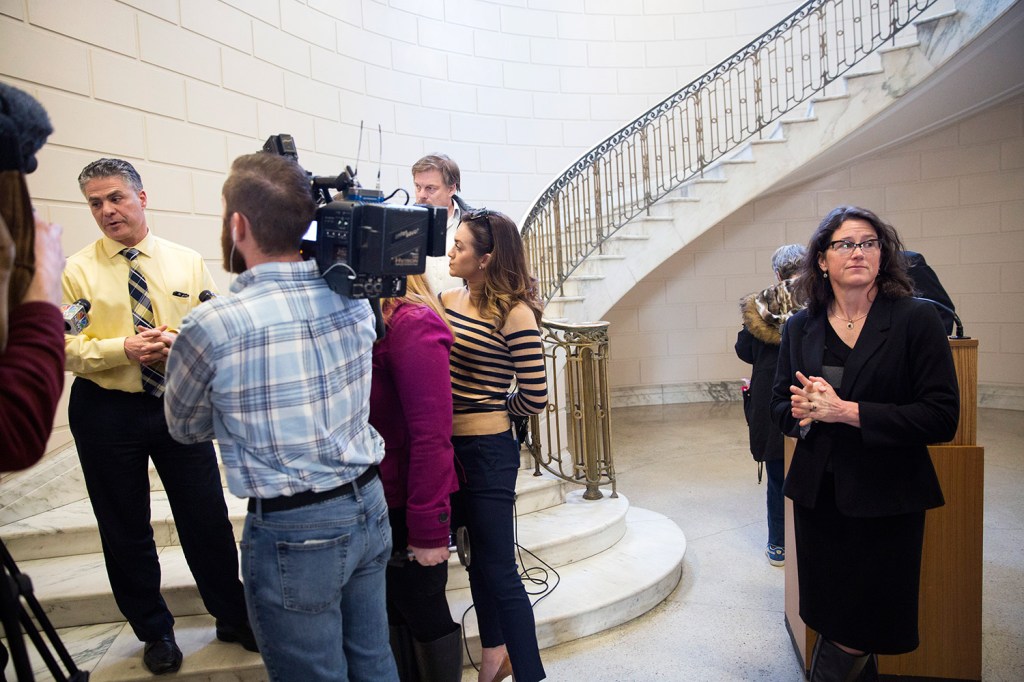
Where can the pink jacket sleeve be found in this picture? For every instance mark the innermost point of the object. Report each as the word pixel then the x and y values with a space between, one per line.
pixel 31 381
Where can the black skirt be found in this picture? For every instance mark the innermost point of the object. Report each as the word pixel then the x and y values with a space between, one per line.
pixel 859 578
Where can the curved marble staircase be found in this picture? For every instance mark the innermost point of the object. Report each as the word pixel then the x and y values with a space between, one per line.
pixel 606 563
pixel 885 80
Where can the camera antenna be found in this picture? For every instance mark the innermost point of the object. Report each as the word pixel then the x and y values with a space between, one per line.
pixel 359 148
pixel 380 152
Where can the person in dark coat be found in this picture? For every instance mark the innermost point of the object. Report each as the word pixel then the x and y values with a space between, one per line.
pixel 757 343
pixel 927 285
pixel 865 381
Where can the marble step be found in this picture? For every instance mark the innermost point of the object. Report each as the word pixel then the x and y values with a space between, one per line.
pixel 73 589
pixel 588 596
pixel 71 529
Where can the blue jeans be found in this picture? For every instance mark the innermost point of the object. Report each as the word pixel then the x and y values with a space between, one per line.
pixel 485 504
pixel 776 510
pixel 314 583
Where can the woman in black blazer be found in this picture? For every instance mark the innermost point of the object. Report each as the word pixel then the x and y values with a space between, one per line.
pixel 865 381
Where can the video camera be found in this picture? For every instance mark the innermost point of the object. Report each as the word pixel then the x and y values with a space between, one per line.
pixel 365 248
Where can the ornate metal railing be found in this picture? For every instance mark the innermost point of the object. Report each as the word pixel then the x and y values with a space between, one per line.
pixel 573 439
pixel 682 136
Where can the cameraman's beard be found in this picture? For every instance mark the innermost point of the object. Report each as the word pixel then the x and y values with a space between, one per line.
pixel 233 260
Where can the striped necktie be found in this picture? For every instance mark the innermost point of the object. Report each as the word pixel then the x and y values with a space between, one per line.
pixel 142 314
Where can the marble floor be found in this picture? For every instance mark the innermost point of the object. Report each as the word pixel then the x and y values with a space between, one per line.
pixel 725 619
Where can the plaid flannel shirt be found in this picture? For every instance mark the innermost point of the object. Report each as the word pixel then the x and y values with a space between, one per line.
pixel 279 374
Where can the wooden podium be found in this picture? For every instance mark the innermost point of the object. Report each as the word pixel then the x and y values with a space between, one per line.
pixel 949 619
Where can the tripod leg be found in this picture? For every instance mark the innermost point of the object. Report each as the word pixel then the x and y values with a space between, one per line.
pixel 9 607
pixel 15 586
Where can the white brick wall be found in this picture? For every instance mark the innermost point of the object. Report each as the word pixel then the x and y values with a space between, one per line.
pixel 307 25
pixel 99 126
pixel 557 52
pixel 218 22
pixel 311 97
pixel 530 78
pixel 273 45
pixel 420 61
pixel 131 83
pixel 259 80
pixel 180 144
pixel 528 22
pixel 101 22
pixel 164 44
pixel 215 107
pixel 265 10
pixel 65 68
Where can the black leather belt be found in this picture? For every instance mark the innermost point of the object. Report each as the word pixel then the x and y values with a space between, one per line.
pixel 308 497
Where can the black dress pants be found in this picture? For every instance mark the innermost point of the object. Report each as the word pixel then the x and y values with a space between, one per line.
pixel 116 433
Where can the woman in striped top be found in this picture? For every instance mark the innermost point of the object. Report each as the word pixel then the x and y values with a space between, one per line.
pixel 496 320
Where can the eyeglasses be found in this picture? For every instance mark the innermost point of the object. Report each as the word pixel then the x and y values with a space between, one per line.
pixel 846 248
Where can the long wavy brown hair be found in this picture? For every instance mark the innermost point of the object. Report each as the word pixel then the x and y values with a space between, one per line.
pixel 507 278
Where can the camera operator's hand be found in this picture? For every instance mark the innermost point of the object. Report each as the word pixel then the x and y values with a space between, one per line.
pixel 49 256
pixel 430 556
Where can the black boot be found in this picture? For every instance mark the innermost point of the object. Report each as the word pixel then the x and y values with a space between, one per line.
pixel 404 653
pixel 829 663
pixel 440 660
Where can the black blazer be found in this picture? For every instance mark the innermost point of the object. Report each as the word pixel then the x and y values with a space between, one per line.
pixel 901 373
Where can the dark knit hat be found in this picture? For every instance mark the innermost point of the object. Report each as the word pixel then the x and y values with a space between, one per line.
pixel 24 127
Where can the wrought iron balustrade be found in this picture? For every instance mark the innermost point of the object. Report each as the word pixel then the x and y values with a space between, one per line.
pixel 681 137
pixel 572 440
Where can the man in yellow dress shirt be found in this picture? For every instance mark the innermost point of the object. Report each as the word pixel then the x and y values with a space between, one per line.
pixel 140 287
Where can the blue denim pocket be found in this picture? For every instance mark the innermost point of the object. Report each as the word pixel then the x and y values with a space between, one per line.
pixel 312 573
pixel 384 526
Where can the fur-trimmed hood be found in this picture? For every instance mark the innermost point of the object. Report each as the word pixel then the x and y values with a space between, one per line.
pixel 764 313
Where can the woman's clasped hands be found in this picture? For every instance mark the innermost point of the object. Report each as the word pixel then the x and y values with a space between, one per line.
pixel 814 400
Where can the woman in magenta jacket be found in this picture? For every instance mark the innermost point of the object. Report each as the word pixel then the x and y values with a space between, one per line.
pixel 411 408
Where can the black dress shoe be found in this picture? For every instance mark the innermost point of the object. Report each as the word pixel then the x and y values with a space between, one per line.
pixel 237 633
pixel 162 655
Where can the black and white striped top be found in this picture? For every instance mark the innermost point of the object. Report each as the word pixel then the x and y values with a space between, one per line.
pixel 484 361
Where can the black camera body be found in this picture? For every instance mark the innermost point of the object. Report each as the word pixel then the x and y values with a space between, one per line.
pixel 364 247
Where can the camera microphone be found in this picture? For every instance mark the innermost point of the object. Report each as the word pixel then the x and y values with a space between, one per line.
pixel 205 295
pixel 76 316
